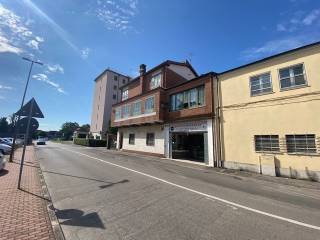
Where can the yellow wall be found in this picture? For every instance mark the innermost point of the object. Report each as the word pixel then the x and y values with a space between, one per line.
pixel 295 111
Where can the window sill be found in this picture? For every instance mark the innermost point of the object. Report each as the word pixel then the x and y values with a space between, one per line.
pixel 187 108
pixel 304 154
pixel 265 152
pixel 294 87
pixel 261 94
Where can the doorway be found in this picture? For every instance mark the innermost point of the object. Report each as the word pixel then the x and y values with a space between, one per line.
pixel 188 146
pixel 120 140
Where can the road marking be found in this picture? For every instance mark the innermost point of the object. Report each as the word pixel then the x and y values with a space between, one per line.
pixel 203 194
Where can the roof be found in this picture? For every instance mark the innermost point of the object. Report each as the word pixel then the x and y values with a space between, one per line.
pixel 194 79
pixel 271 57
pixel 167 62
pixel 109 70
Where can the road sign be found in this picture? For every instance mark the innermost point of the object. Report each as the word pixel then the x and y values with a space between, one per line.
pixel 25 110
pixel 22 125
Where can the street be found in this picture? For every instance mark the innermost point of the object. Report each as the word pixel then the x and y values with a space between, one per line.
pixel 101 194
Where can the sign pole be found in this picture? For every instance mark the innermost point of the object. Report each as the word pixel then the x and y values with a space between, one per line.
pixel 26 138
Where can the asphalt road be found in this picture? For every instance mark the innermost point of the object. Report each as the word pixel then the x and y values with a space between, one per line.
pixel 100 194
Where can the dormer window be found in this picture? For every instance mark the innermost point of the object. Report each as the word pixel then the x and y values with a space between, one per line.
pixel 125 94
pixel 155 81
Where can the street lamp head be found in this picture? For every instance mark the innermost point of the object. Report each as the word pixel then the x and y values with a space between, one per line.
pixel 29 60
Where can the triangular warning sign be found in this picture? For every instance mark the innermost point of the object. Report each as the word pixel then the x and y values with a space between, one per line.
pixel 25 110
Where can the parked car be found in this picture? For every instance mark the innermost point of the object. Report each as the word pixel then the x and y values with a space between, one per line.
pixel 41 141
pixel 5 141
pixel 9 139
pixel 4 148
pixel 2 161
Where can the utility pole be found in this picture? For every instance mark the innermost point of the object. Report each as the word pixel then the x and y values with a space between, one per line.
pixel 16 130
pixel 25 144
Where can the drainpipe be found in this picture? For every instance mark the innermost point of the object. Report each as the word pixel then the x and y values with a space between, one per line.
pixel 219 124
pixel 213 122
pixel 216 121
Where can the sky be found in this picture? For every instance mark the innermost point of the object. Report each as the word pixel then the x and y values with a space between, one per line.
pixel 78 39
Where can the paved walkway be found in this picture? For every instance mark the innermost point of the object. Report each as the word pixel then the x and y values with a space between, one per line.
pixel 23 213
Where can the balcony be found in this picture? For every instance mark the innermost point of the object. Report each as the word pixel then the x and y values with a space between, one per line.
pixel 138 110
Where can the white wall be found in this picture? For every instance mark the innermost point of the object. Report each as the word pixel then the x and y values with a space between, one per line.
pixel 182 71
pixel 140 139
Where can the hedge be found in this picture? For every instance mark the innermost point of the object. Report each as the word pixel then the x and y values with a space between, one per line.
pixel 90 142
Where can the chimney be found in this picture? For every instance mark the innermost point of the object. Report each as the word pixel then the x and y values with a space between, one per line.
pixel 142 69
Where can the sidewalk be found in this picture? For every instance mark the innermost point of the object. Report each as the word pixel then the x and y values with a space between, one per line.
pixel 23 213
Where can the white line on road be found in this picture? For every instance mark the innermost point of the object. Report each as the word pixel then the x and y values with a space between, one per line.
pixel 203 194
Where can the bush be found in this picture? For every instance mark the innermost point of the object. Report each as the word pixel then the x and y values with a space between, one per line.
pixel 90 142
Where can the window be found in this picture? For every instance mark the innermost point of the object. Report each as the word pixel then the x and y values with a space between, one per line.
pixel 118 113
pixel 114 96
pixel 260 84
pixel 302 143
pixel 149 105
pixel 115 87
pixel 266 143
pixel 115 78
pixel 125 111
pixel 125 93
pixel 123 81
pixel 179 101
pixel 136 108
pixel 292 76
pixel 131 138
pixel 191 98
pixel 150 139
pixel 155 81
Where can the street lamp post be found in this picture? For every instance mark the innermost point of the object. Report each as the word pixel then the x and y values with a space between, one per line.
pixel 16 130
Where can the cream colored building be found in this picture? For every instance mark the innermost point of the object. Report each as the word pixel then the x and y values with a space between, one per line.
pixel 270 115
pixel 106 93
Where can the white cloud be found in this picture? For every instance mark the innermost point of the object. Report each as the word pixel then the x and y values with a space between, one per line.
pixel 311 17
pixel 15 34
pixel 44 78
pixel 39 39
pixel 5 87
pixel 55 68
pixel 281 28
pixel 298 21
pixel 6 46
pixel 276 46
pixel 116 15
pixel 33 44
pixel 85 53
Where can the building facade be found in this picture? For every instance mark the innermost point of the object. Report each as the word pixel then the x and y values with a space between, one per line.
pixel 106 93
pixel 262 117
pixel 271 115
pixel 167 112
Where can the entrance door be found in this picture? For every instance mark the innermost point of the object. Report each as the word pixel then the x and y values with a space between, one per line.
pixel 189 146
pixel 121 140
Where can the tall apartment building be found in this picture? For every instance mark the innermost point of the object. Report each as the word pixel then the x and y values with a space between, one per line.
pixel 106 93
pixel 262 117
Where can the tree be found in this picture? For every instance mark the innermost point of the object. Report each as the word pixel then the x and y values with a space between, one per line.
pixel 4 125
pixel 67 129
pixel 85 128
pixel 12 121
pixel 39 133
pixel 112 130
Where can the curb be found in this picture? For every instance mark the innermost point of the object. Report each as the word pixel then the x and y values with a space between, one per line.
pixel 57 230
